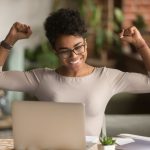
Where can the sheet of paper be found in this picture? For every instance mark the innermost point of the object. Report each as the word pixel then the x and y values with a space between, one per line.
pixel 122 141
pixel 93 139
pixel 133 136
pixel 137 145
pixel 140 142
pixel 91 142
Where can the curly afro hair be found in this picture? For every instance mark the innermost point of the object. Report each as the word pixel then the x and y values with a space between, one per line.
pixel 64 22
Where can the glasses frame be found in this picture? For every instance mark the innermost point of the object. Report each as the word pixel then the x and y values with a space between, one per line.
pixel 71 50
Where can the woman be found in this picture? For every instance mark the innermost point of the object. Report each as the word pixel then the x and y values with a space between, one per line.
pixel 74 81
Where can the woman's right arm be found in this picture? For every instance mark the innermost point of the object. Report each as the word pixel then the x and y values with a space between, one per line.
pixel 21 81
pixel 15 80
pixel 17 32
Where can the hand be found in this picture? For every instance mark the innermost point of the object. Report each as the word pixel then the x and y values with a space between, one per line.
pixel 18 31
pixel 133 36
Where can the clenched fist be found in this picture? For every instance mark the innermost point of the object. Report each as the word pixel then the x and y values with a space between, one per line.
pixel 18 31
pixel 133 36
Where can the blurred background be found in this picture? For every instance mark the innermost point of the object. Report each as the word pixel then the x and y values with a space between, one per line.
pixel 125 113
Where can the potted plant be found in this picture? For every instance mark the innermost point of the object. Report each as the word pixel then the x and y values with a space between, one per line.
pixel 91 11
pixel 103 44
pixel 108 143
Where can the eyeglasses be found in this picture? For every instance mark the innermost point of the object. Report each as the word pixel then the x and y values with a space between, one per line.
pixel 66 53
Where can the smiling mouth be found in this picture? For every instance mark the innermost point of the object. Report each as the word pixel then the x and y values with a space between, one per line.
pixel 75 62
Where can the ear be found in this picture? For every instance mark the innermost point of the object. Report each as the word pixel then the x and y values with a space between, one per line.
pixel 85 41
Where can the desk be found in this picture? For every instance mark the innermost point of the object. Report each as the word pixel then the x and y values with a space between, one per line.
pixel 6 144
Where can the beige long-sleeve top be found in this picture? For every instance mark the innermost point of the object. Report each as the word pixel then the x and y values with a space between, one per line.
pixel 94 90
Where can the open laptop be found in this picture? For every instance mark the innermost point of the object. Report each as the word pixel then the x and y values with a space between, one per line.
pixel 47 125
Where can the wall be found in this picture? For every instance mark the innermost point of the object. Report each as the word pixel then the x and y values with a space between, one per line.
pixel 133 7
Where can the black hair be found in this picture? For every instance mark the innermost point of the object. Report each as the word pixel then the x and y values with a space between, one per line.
pixel 64 21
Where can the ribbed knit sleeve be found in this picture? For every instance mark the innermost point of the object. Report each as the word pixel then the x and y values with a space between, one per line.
pixel 20 81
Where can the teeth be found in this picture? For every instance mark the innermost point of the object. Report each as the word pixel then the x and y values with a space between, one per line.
pixel 74 62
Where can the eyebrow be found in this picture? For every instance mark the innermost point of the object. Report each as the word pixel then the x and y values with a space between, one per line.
pixel 70 48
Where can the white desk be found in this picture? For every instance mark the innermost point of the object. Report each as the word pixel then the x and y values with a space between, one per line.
pixel 8 144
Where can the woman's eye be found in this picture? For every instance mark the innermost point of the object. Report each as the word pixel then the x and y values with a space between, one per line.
pixel 78 47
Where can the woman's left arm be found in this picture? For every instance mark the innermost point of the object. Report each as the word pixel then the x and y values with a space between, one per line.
pixel 133 36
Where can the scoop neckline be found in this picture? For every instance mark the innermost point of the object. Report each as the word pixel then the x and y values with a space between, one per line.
pixel 76 77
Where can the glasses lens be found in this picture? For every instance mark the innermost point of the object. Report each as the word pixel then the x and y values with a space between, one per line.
pixel 79 49
pixel 64 54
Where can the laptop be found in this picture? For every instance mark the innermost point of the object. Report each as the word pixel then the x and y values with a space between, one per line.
pixel 48 125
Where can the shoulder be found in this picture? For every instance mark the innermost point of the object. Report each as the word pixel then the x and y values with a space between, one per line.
pixel 108 72
pixel 42 70
pixel 39 73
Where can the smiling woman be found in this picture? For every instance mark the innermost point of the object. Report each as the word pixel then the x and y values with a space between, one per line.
pixel 68 41
pixel 74 81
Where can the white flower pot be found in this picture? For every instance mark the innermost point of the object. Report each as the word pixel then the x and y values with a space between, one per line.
pixel 108 147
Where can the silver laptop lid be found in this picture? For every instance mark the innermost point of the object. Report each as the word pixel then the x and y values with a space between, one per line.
pixel 48 125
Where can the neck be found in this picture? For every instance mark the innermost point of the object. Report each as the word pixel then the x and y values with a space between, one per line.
pixel 82 71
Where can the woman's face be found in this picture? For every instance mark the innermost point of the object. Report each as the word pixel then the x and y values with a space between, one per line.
pixel 72 51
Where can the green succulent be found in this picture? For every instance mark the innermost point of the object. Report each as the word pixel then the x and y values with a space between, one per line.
pixel 107 140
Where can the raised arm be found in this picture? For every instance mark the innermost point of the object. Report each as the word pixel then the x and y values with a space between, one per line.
pixel 17 80
pixel 18 31
pixel 133 36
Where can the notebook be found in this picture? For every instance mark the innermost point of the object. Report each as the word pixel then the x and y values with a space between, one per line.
pixel 48 125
